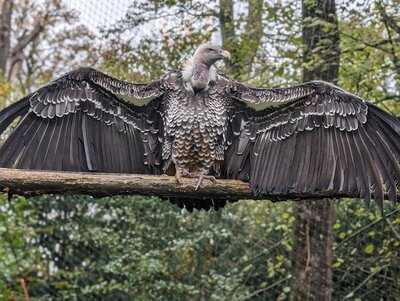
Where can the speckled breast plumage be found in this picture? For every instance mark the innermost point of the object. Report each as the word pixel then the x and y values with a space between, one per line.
pixel 194 127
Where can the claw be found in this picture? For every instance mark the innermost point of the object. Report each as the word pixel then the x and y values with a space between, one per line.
pixel 199 182
pixel 212 179
pixel 178 176
pixel 202 177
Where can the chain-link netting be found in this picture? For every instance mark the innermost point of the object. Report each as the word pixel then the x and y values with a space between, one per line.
pixel 136 248
pixel 99 14
pixel 133 248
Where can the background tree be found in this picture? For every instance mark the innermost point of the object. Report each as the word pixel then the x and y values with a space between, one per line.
pixel 313 238
pixel 33 44
pixel 370 48
pixel 126 248
pixel 158 35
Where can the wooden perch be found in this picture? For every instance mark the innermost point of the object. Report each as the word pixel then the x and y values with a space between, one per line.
pixel 30 182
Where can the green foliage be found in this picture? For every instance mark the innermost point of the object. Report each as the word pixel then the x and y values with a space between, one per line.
pixel 367 252
pixel 17 258
pixel 148 249
pixel 5 91
pixel 133 248
pixel 364 69
pixel 124 248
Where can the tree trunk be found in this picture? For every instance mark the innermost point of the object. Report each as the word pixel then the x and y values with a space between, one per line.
pixel 313 237
pixel 321 38
pixel 6 8
pixel 243 47
pixel 312 252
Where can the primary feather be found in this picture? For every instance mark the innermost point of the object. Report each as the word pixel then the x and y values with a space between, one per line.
pixel 309 139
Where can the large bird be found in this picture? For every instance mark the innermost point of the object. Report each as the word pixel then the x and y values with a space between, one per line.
pixel 310 138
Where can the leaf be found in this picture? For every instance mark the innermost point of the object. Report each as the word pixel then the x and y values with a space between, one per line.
pixel 286 289
pixel 369 249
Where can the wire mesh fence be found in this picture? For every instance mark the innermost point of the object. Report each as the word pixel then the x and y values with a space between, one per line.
pixel 97 14
pixel 135 248
pixel 132 248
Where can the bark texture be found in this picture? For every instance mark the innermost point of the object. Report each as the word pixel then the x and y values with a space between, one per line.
pixel 6 8
pixel 244 46
pixel 312 254
pixel 33 182
pixel 321 38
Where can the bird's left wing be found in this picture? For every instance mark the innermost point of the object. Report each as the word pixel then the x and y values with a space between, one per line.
pixel 315 139
pixel 263 98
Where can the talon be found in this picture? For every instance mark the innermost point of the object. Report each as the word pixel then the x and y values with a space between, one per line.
pixel 202 177
pixel 199 182
pixel 178 177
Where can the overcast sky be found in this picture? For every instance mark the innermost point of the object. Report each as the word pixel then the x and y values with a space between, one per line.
pixel 99 13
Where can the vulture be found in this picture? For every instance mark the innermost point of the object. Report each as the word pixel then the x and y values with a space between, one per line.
pixel 196 122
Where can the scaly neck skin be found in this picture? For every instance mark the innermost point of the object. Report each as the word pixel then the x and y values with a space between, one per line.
pixel 200 76
pixel 197 75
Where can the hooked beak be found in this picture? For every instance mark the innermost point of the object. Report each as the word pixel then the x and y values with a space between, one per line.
pixel 225 54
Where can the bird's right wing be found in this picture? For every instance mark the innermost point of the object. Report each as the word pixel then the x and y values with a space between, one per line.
pixel 77 123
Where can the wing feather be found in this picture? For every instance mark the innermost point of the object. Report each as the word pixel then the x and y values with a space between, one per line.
pixel 318 139
pixel 77 123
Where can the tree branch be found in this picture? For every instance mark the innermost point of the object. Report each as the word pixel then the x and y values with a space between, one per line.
pixel 390 21
pixel 27 38
pixel 30 182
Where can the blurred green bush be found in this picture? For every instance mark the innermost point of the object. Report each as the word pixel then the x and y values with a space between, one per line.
pixel 134 248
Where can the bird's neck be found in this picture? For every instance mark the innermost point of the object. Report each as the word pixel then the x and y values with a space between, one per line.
pixel 197 75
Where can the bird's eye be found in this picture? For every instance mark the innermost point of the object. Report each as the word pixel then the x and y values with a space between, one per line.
pixel 210 49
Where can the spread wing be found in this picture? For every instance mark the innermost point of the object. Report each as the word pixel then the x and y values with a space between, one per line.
pixel 314 139
pixel 78 123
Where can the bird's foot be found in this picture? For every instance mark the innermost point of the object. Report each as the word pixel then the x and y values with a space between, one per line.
pixel 181 173
pixel 178 178
pixel 201 176
pixel 204 177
